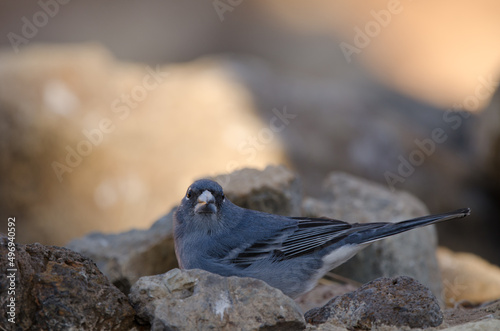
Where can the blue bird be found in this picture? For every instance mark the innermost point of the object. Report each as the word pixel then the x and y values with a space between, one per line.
pixel 289 253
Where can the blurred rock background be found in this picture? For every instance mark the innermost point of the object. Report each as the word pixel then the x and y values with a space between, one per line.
pixel 152 95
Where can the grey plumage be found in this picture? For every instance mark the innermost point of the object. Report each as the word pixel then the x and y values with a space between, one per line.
pixel 289 253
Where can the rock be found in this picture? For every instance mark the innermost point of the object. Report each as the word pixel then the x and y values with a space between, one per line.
pixel 57 289
pixel 199 300
pixel 412 253
pixel 326 327
pixel 484 325
pixel 467 277
pixel 273 190
pixel 125 257
pixel 461 315
pixel 400 301
pixel 322 293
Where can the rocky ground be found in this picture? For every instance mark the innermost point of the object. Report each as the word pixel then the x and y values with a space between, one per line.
pixel 130 280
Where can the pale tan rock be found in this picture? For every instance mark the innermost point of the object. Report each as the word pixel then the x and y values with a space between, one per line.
pixel 199 300
pixel 467 277
pixel 483 325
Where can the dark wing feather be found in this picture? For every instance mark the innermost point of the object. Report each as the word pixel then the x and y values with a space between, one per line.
pixel 314 234
pixel 306 236
pixel 260 249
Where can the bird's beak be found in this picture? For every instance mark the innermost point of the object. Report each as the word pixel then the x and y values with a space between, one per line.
pixel 206 203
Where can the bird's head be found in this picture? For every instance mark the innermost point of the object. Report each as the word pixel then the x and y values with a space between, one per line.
pixel 202 203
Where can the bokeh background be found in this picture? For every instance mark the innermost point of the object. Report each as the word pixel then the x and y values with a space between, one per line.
pixel 110 109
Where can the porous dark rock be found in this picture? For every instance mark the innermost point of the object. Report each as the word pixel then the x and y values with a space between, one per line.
pixel 356 200
pixel 199 300
pixel 274 190
pixel 57 289
pixel 125 257
pixel 400 301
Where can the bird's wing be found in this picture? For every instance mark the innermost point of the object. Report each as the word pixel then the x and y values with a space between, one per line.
pixel 304 236
pixel 307 235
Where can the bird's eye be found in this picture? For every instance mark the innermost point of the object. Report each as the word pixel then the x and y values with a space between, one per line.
pixel 223 196
pixel 188 194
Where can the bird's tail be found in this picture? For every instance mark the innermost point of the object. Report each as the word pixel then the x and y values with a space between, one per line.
pixel 394 228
